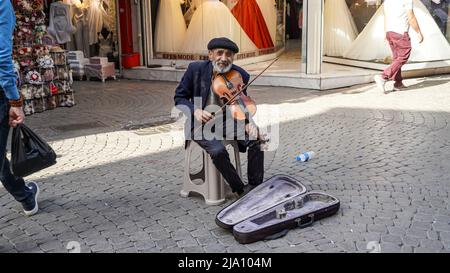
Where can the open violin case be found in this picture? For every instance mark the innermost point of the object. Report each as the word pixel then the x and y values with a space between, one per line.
pixel 272 208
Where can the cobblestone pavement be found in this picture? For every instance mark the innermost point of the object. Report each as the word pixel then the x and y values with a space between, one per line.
pixel 386 157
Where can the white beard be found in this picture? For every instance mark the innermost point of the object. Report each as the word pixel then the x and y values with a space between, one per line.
pixel 221 70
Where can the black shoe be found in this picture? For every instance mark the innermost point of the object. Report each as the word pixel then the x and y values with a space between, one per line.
pixel 249 187
pixel 238 193
pixel 30 206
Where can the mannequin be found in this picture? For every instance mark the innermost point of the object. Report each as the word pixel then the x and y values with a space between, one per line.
pixel 170 27
pixel 60 25
pixel 213 19
pixel 81 35
pixel 105 42
pixel 96 19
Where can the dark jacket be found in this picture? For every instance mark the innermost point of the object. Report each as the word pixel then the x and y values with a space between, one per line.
pixel 196 82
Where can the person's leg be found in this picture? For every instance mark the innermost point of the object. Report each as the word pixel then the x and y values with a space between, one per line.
pixel 398 78
pixel 14 185
pixel 25 194
pixel 380 80
pixel 221 160
pixel 403 52
pixel 402 48
pixel 255 164
pixel 391 37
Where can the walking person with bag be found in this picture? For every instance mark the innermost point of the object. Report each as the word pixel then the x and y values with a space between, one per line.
pixel 11 114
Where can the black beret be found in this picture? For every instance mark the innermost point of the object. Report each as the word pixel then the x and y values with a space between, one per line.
pixel 223 42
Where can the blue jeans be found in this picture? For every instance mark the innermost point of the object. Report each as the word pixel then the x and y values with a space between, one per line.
pixel 14 185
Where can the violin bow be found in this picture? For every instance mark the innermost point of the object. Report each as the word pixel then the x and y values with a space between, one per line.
pixel 245 86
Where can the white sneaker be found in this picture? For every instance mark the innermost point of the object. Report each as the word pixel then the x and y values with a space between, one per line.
pixel 380 82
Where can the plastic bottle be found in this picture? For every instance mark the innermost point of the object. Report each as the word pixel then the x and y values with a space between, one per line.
pixel 303 157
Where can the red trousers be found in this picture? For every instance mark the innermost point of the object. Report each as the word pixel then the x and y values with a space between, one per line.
pixel 401 50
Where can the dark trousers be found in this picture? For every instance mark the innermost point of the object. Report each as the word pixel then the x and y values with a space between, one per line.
pixel 14 185
pixel 401 50
pixel 221 159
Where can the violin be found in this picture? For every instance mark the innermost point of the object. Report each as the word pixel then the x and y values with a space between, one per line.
pixel 226 86
pixel 229 86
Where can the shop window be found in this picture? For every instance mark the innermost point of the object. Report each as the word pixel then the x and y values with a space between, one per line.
pixel 94 31
pixel 354 29
pixel 183 28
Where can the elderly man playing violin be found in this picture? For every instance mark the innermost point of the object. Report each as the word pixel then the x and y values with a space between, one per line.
pixel 197 92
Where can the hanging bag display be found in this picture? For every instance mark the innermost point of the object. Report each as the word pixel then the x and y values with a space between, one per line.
pixel 29 152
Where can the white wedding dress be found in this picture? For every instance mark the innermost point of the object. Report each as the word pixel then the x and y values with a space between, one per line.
pixel 370 44
pixel 80 39
pixel 193 5
pixel 60 22
pixel 339 30
pixel 269 11
pixel 97 17
pixel 213 19
pixel 170 28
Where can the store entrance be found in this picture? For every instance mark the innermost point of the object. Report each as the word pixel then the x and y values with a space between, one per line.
pixel 293 32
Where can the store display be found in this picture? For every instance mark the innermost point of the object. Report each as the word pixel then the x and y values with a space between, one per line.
pixel 269 12
pixel 210 20
pixel 98 60
pixel 339 30
pixel 192 7
pixel 95 25
pixel 44 78
pixel 97 18
pixel 77 61
pixel 100 68
pixel 169 20
pixel 80 39
pixel 249 16
pixel 370 44
pixel 60 26
pixel 105 42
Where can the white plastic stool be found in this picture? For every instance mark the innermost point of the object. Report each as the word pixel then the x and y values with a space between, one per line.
pixel 213 187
